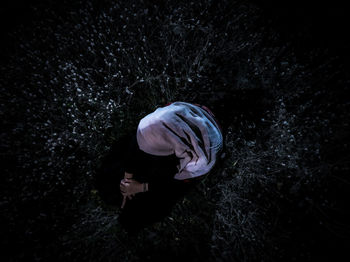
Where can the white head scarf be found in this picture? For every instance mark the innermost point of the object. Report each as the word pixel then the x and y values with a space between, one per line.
pixel 186 130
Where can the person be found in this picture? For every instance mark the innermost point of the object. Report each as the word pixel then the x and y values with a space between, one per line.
pixel 171 150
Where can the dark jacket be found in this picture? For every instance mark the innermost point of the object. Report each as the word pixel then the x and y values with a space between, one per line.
pixel 158 171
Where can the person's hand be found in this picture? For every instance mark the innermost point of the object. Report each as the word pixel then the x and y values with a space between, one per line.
pixel 130 187
pixel 129 176
pixel 126 176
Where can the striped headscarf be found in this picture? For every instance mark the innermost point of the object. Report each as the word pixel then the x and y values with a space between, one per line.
pixel 185 129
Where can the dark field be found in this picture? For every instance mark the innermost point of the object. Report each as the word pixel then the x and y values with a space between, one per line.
pixel 77 76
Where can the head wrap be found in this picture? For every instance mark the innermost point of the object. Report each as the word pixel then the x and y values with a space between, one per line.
pixel 183 129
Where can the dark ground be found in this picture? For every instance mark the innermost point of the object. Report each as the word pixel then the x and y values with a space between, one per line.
pixel 76 76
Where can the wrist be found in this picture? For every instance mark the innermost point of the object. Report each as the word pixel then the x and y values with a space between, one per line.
pixel 145 187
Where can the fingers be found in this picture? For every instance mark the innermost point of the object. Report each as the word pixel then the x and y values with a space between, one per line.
pixel 128 175
pixel 131 196
pixel 125 181
pixel 124 201
pixel 123 186
pixel 127 188
pixel 126 194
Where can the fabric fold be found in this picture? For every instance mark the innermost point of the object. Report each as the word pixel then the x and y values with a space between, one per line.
pixel 183 129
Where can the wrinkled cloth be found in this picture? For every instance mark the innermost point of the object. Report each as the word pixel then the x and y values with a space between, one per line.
pixel 183 129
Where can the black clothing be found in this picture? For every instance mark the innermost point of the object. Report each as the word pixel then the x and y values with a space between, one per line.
pixel 158 171
pixel 145 207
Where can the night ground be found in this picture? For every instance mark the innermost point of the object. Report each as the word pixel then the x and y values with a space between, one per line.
pixel 78 75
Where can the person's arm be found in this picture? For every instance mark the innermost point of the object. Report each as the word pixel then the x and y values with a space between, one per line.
pixel 127 185
pixel 164 178
pixel 160 184
pixel 168 183
pixel 132 155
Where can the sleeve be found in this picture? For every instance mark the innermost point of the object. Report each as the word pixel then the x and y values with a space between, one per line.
pixel 132 155
pixel 164 184
pixel 135 160
pixel 165 181
pixel 170 186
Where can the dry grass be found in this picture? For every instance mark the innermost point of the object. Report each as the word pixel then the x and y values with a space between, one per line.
pixel 79 79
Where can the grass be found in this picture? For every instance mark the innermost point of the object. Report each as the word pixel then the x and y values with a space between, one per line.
pixel 78 78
